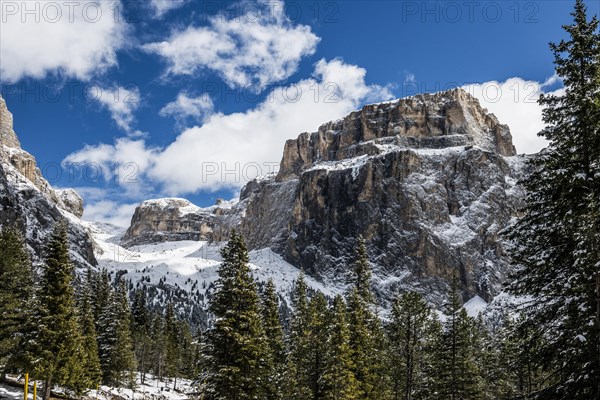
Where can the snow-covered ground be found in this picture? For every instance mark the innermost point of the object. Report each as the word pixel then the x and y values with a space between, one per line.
pixel 152 388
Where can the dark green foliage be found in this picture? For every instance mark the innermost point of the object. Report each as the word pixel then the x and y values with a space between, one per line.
pixel 338 379
pixel 557 242
pixel 237 343
pixel 275 358
pixel 298 366
pixel 58 346
pixel 367 339
pixel 90 360
pixel 16 300
pixel 140 333
pixel 457 374
pixel 114 340
pixel 317 338
pixel 412 332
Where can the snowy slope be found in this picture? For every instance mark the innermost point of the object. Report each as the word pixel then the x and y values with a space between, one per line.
pixel 185 271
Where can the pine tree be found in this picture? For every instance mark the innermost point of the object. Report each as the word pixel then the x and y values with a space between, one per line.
pixel 236 343
pixel 457 375
pixel 556 244
pixel 361 277
pixel 114 340
pixel 274 334
pixel 16 300
pixel 367 339
pixel 90 360
pixel 298 365
pixel 140 332
pixel 316 335
pixel 172 344
pixel 411 336
pixel 338 379
pixel 58 347
pixel 158 346
pixel 102 289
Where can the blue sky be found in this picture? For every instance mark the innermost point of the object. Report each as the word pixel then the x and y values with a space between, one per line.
pixel 127 100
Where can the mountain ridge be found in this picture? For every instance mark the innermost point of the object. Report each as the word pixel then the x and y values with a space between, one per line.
pixel 429 182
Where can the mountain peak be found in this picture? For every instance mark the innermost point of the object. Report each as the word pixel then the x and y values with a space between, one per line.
pixel 424 121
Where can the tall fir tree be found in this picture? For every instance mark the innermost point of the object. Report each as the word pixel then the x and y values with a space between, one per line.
pixel 114 340
pixel 276 347
pixel 338 379
pixel 91 363
pixel 316 334
pixel 367 339
pixel 102 289
pixel 297 364
pixel 412 333
pixel 457 374
pixel 174 343
pixel 140 332
pixel 58 344
pixel 557 242
pixel 236 343
pixel 16 300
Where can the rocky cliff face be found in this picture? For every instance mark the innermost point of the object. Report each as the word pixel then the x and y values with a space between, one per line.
pixel 28 201
pixel 168 220
pixel 429 182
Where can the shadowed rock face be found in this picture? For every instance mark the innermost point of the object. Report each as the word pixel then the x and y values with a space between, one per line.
pixel 428 181
pixel 29 202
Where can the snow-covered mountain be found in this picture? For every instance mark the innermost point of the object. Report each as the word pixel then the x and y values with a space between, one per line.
pixel 29 202
pixel 429 181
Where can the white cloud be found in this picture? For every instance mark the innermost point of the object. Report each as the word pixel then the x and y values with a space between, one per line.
pixel 123 162
pixel 120 102
pixel 514 102
pixel 185 107
pixel 109 211
pixel 228 150
pixel 161 7
pixel 73 39
pixel 252 50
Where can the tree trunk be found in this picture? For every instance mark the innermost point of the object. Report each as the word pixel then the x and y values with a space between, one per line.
pixel 47 389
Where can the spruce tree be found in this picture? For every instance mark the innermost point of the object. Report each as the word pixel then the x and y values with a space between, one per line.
pixel 338 379
pixel 556 244
pixel 457 374
pixel 173 343
pixel 90 360
pixel 411 337
pixel 276 347
pixel 367 339
pixel 58 345
pixel 298 365
pixel 316 334
pixel 16 300
pixel 114 340
pixel 158 346
pixel 140 332
pixel 236 343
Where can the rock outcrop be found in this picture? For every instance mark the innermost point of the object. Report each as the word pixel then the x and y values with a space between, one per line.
pixel 29 202
pixel 166 220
